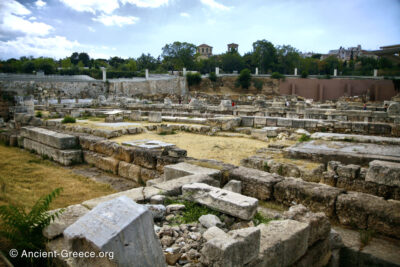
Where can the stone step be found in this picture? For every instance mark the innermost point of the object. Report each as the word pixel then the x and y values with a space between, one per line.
pixel 185 169
pixel 356 138
pixel 50 138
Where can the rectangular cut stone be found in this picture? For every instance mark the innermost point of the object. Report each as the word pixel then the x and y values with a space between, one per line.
pixel 185 169
pixel 120 226
pixel 130 171
pixel 255 183
pixel 247 121
pixel 101 162
pixel 50 138
pixel 64 157
pixel 260 121
pixel 155 116
pixel 136 115
pixel 271 121
pixel 282 243
pixel 283 122
pixel 174 187
pixel 297 123
pixel 383 172
pixel 356 138
pixel 221 200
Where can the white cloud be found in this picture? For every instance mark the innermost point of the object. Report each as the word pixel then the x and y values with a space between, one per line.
pixel 13 7
pixel 91 29
pixel 215 5
pixel 12 23
pixel 57 46
pixel 111 20
pixel 146 3
pixel 184 14
pixel 105 6
pixel 40 4
pixel 32 18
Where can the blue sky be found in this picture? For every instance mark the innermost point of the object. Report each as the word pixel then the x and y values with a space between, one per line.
pixel 128 28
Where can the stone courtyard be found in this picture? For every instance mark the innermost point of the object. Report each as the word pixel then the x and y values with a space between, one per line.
pixel 269 181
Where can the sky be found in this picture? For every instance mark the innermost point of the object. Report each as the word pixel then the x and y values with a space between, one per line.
pixel 128 28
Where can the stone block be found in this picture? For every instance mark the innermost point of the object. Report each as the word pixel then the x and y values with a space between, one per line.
pixel 64 157
pixel 210 220
pixel 130 171
pixel 260 121
pixel 120 226
pixel 155 116
pixel 379 128
pixel 147 174
pixel 234 186
pixel 105 147
pixel 68 217
pixel 124 153
pixel 282 243
pixel 146 157
pixel 136 115
pixel 384 172
pixel 88 142
pixel 350 171
pixel 369 212
pixel 174 187
pixel 284 122
pixel 221 200
pixel 247 121
pixel 297 123
pixel 50 138
pixel 317 197
pixel 185 169
pixel 101 162
pixel 271 121
pixel 317 255
pixel 255 183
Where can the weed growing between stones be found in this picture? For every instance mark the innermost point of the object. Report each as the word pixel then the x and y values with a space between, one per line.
pixel 38 114
pixel 192 211
pixel 259 219
pixel 266 167
pixel 24 230
pixel 68 119
pixel 304 138
pixel 167 133
pixel 280 170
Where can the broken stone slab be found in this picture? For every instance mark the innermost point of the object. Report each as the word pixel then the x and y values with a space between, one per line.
pixel 214 232
pixel 120 226
pixel 65 219
pixel 282 243
pixel 174 187
pixel 155 116
pixel 356 138
pixel 210 220
pixel 50 138
pixel 383 172
pixel 136 194
pixel 234 186
pixel 157 211
pixel 317 197
pixel 255 183
pixel 320 226
pixel 101 162
pixel 366 211
pixel 64 157
pixel 221 200
pixel 184 169
pixel 236 248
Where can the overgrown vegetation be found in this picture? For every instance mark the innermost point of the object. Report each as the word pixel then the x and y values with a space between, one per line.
pixel 68 119
pixel 304 138
pixel 278 76
pixel 212 76
pixel 24 230
pixel 244 78
pixel 167 133
pixel 38 114
pixel 192 211
pixel 258 84
pixel 193 78
pixel 304 74
pixel 259 219
pixel 266 167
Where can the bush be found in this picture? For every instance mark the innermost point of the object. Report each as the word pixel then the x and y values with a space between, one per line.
pixel 304 74
pixel 258 84
pixel 193 78
pixel 304 138
pixel 244 78
pixel 38 114
pixel 212 76
pixel 68 119
pixel 277 75
pixel 24 230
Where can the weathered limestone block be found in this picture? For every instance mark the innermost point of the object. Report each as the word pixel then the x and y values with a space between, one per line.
pixel 101 162
pixel 50 138
pixel 350 171
pixel 174 187
pixel 317 197
pixel 214 232
pixel 68 217
pixel 226 123
pixel 130 171
pixel 221 200
pixel 209 220
pixel 155 116
pixel 317 256
pixel 184 169
pixel 394 109
pixel 259 134
pixel 147 174
pixel 384 172
pixel 260 121
pixel 369 212
pixel 284 122
pixel 124 153
pixel 146 157
pixel 105 147
pixel 282 243
pixel 320 226
pixel 247 121
pixel 255 183
pixel 120 226
pixel 136 115
pixel 87 142
pixel 64 157
pixel 236 248
pixel 234 186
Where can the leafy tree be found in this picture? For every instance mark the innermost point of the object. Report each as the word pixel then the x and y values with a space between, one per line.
pixel 288 58
pixel 28 67
pixel 131 65
pixel 47 65
pixel 115 62
pixel 213 77
pixel 193 78
pixel 244 78
pixel 264 55
pixel 146 62
pixel 232 61
pixel 66 63
pixel 207 65
pixel 179 55
pixel 75 58
pixel 84 57
pixel 304 74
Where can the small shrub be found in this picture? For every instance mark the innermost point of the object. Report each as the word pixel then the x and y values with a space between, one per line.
pixel 304 74
pixel 24 230
pixel 266 167
pixel 38 114
pixel 259 219
pixel 244 78
pixel 278 76
pixel 68 119
pixel 193 78
pixel 327 76
pixel 212 76
pixel 258 84
pixel 192 211
pixel 304 138
pixel 280 170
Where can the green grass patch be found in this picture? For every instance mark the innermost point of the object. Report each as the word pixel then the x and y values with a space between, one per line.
pixel 266 167
pixel 259 219
pixel 167 133
pixel 304 138
pixel 68 119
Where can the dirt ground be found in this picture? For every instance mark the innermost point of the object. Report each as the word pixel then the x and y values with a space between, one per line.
pixel 226 149
pixel 25 177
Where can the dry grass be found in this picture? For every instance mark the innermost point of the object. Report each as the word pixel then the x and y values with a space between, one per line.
pixel 226 149
pixel 24 178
